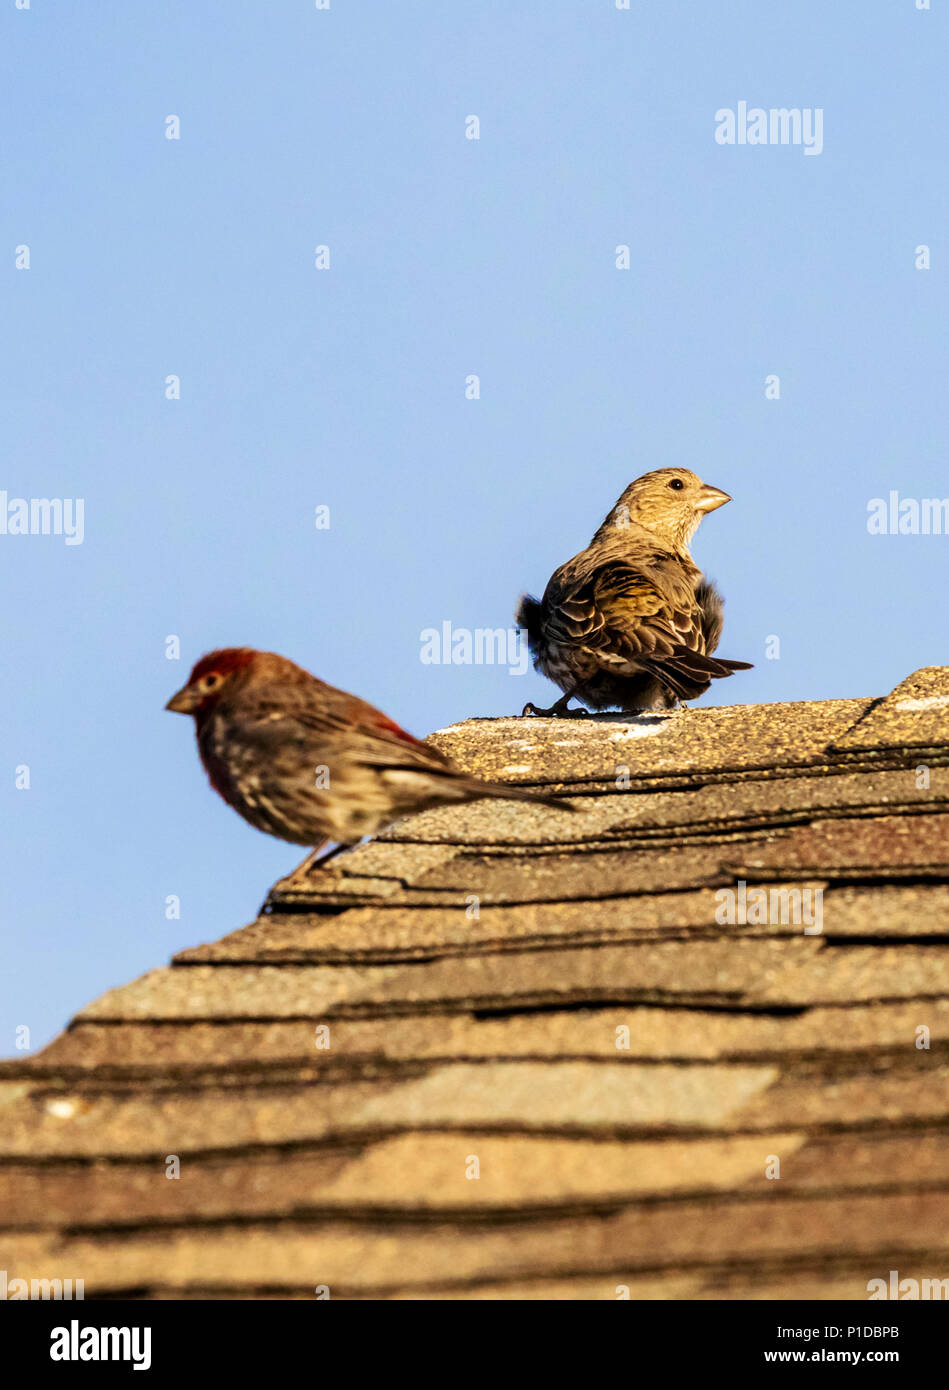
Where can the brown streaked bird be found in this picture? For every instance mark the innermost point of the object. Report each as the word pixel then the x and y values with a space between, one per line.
pixel 311 764
pixel 631 621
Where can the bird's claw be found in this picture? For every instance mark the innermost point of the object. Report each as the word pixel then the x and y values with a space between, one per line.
pixel 557 711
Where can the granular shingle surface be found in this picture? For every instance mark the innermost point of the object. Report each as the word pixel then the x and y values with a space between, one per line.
pixel 689 1042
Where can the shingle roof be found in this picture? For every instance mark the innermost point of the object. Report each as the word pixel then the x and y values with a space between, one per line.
pixel 548 998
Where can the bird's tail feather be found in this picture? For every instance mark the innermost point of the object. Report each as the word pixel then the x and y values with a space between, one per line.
pixel 688 673
pixel 676 680
pixel 505 791
pixel 457 786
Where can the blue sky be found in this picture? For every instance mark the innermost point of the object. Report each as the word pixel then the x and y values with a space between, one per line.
pixel 346 387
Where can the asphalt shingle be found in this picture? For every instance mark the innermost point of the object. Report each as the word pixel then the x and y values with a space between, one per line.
pixel 507 1052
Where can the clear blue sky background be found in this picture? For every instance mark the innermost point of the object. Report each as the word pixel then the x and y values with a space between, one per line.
pixel 346 387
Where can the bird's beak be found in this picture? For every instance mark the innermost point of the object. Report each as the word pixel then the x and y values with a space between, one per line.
pixel 711 497
pixel 184 702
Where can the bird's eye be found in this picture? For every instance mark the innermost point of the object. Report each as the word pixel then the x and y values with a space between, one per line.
pixel 677 483
pixel 209 682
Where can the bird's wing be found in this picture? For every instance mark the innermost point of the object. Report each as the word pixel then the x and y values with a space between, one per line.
pixel 370 736
pixel 618 611
pixel 385 743
pixel 712 607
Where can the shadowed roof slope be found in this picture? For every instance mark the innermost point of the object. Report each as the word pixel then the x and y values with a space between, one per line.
pixel 509 1052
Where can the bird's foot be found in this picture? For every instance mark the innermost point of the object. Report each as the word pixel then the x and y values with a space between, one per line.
pixel 320 856
pixel 559 710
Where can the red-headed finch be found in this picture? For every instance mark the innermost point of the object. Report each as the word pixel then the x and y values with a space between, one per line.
pixel 309 763
pixel 631 621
